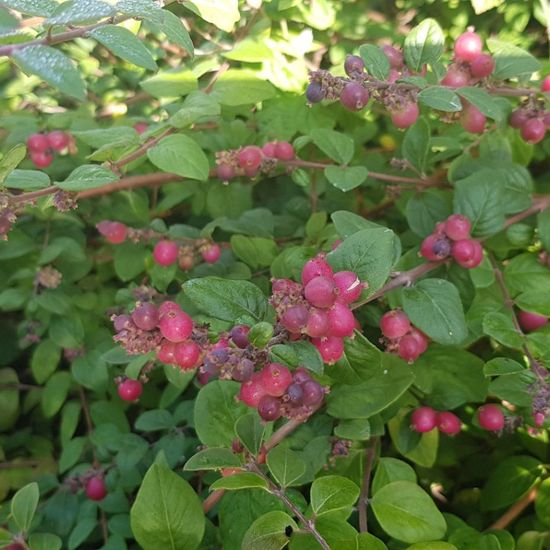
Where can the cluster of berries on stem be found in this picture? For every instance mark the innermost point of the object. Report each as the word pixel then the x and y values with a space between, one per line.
pixel 42 147
pixel 401 337
pixel 425 419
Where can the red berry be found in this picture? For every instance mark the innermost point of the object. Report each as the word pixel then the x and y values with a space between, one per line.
pixel 409 348
pixel 395 324
pixel 37 143
pixel 141 127
pixel 165 354
pixel 14 546
pixel 269 149
pixel 122 322
pixel 393 76
pixel 468 46
pixel 546 119
pixel 395 56
pixel 239 335
pixel 275 378
pixel 58 140
pixel 225 172
pixel 313 393
pixel 42 160
pixel 186 262
pixel 294 319
pixel 468 253
pixel 315 267
pixel 211 253
pixel 353 65
pixel 129 389
pixel 331 348
pixel 349 286
pixel 421 339
pixel 483 65
pixel 167 306
pixel 435 248
pixel 457 227
pixel 354 96
pixel 538 419
pixel 530 321
pixel 473 120
pixel 145 316
pixel 455 77
pixel 518 118
pixel 448 423
pixel 318 323
pixel 284 150
pixel 269 408
pixel 341 319
pixel 545 85
pixel 250 157
pixel 175 325
pixel 490 418
pixel 533 130
pixel 423 419
pixel 95 488
pixel 114 232
pixel 252 391
pixel 187 355
pixel 301 375
pixel 165 253
pixel 320 292
pixel 406 116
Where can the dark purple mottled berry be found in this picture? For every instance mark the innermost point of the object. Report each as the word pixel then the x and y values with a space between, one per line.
pixel 353 65
pixel 315 92
pixel 145 316
pixel 269 407
pixel 313 393
pixel 354 97
pixel 295 393
pixel 239 335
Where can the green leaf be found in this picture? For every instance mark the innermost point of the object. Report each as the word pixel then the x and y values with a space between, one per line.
pixel 333 493
pixel 484 101
pixel 99 137
pixel 76 12
pixel 9 398
pixel 336 145
pixel 221 13
pixel 241 87
pixel 250 430
pixel 426 209
pixel 45 358
pixel 167 512
pixel 389 470
pixel 501 366
pixel 44 541
pixel 245 480
pixel 514 388
pixel 171 25
pixel 511 61
pixel 543 225
pixel 533 301
pixel 300 353
pixel 434 306
pixel 213 458
pixel 354 429
pixel 285 465
pixel 416 144
pixel 250 50
pixel 407 513
pixel 423 44
pixel 41 8
pixel 180 155
pixel 227 300
pixel 23 506
pixel 26 180
pixel 175 82
pixel 501 327
pixel 87 176
pixel 154 420
pixel 346 178
pixel 53 67
pixel 254 251
pixel 260 334
pixel 129 261
pixel 10 160
pixel 268 532
pixel 55 393
pixel 197 105
pixel 440 98
pixel 433 546
pixel 72 451
pixel 124 44
pixel 542 502
pixel 376 62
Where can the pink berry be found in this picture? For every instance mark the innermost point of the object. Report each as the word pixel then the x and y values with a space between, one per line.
pixel 341 319
pixel 318 323
pixel 395 324
pixel 129 389
pixel 423 419
pixel 269 408
pixel 269 149
pixel 409 348
pixel 165 253
pixel 211 253
pixel 252 391
pixel 165 354
pixel 421 339
pixel 145 316
pixel 122 322
pixel 406 116
pixel 284 150
pixel 546 119
pixel 14 546
pixel 468 46
pixel 313 393
pixel 468 253
pixel 42 160
pixel 533 130
pixel 518 118
pixel 530 321
pixel 167 306
pixel 320 292
pixel 349 286
pixel 315 267
pixel 455 78
pixel 457 227
pixel 301 375
pixel 141 127
pixel 275 378
pixel 239 335
pixel 483 65
pixel 435 248
pixel 175 326
pixel 448 423
pixel 473 120
pixel 250 157
pixel 37 143
pixel 95 488
pixel 393 76
pixel 294 319
pixel 354 96
pixel 395 56
pixel 538 419
pixel 353 65
pixel 330 348
pixel 490 418
pixel 114 232
pixel 545 85
pixel 187 355
pixel 225 172
pixel 58 140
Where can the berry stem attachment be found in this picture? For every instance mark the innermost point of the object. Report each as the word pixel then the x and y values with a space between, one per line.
pixel 370 453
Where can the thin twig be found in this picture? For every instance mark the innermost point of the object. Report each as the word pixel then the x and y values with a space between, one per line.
pixel 515 510
pixel 370 453
pixel 22 464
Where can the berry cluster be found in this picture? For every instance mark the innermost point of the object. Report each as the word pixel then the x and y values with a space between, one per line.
pixel 452 238
pixel 276 392
pixel 319 308
pixel 401 337
pixel 43 146
pixel 425 419
pixel 251 160
pixel 531 119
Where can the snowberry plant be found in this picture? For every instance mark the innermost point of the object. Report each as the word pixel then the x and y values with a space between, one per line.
pixel 274 275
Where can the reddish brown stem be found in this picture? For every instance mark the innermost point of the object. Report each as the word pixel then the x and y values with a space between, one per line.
pixel 370 453
pixel 515 510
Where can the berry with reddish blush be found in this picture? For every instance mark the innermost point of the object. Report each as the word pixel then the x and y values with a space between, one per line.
pixel 348 285
pixel 455 78
pixel 284 150
pixel 301 375
pixel 42 160
pixel 37 143
pixel 167 306
pixel 165 253
pixel 405 116
pixel 252 391
pixel 165 354
pixel 315 92
pixel 409 348
pixel 341 319
pixel 394 324
pixel 435 248
pixel 353 65
pixel 473 120
pixel 467 253
pixel 186 262
pixel 129 389
pixel 250 157
pixel 175 325
pixel 330 348
pixel 313 393
pixel 395 56
pixel 145 316
pixel 318 323
pixel 538 418
pixel 448 423
pixel 316 267
pixel 320 292
pixel 141 127
pixel 275 379
pixel 269 149
pixel 14 546
pixel 490 418
pixel 545 85
pixel 530 321
pixel 533 130
pixel 518 118
pixel 457 227
pixel 225 172
pixel 239 335
pixel 468 46
pixel 114 232
pixel 211 253
pixel 423 419
pixel 483 65
pixel 95 488
pixel 421 339
pixel 187 355
pixel 354 96
pixel 58 140
pixel 226 472
pixel 122 322
pixel 269 408
pixel 295 318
